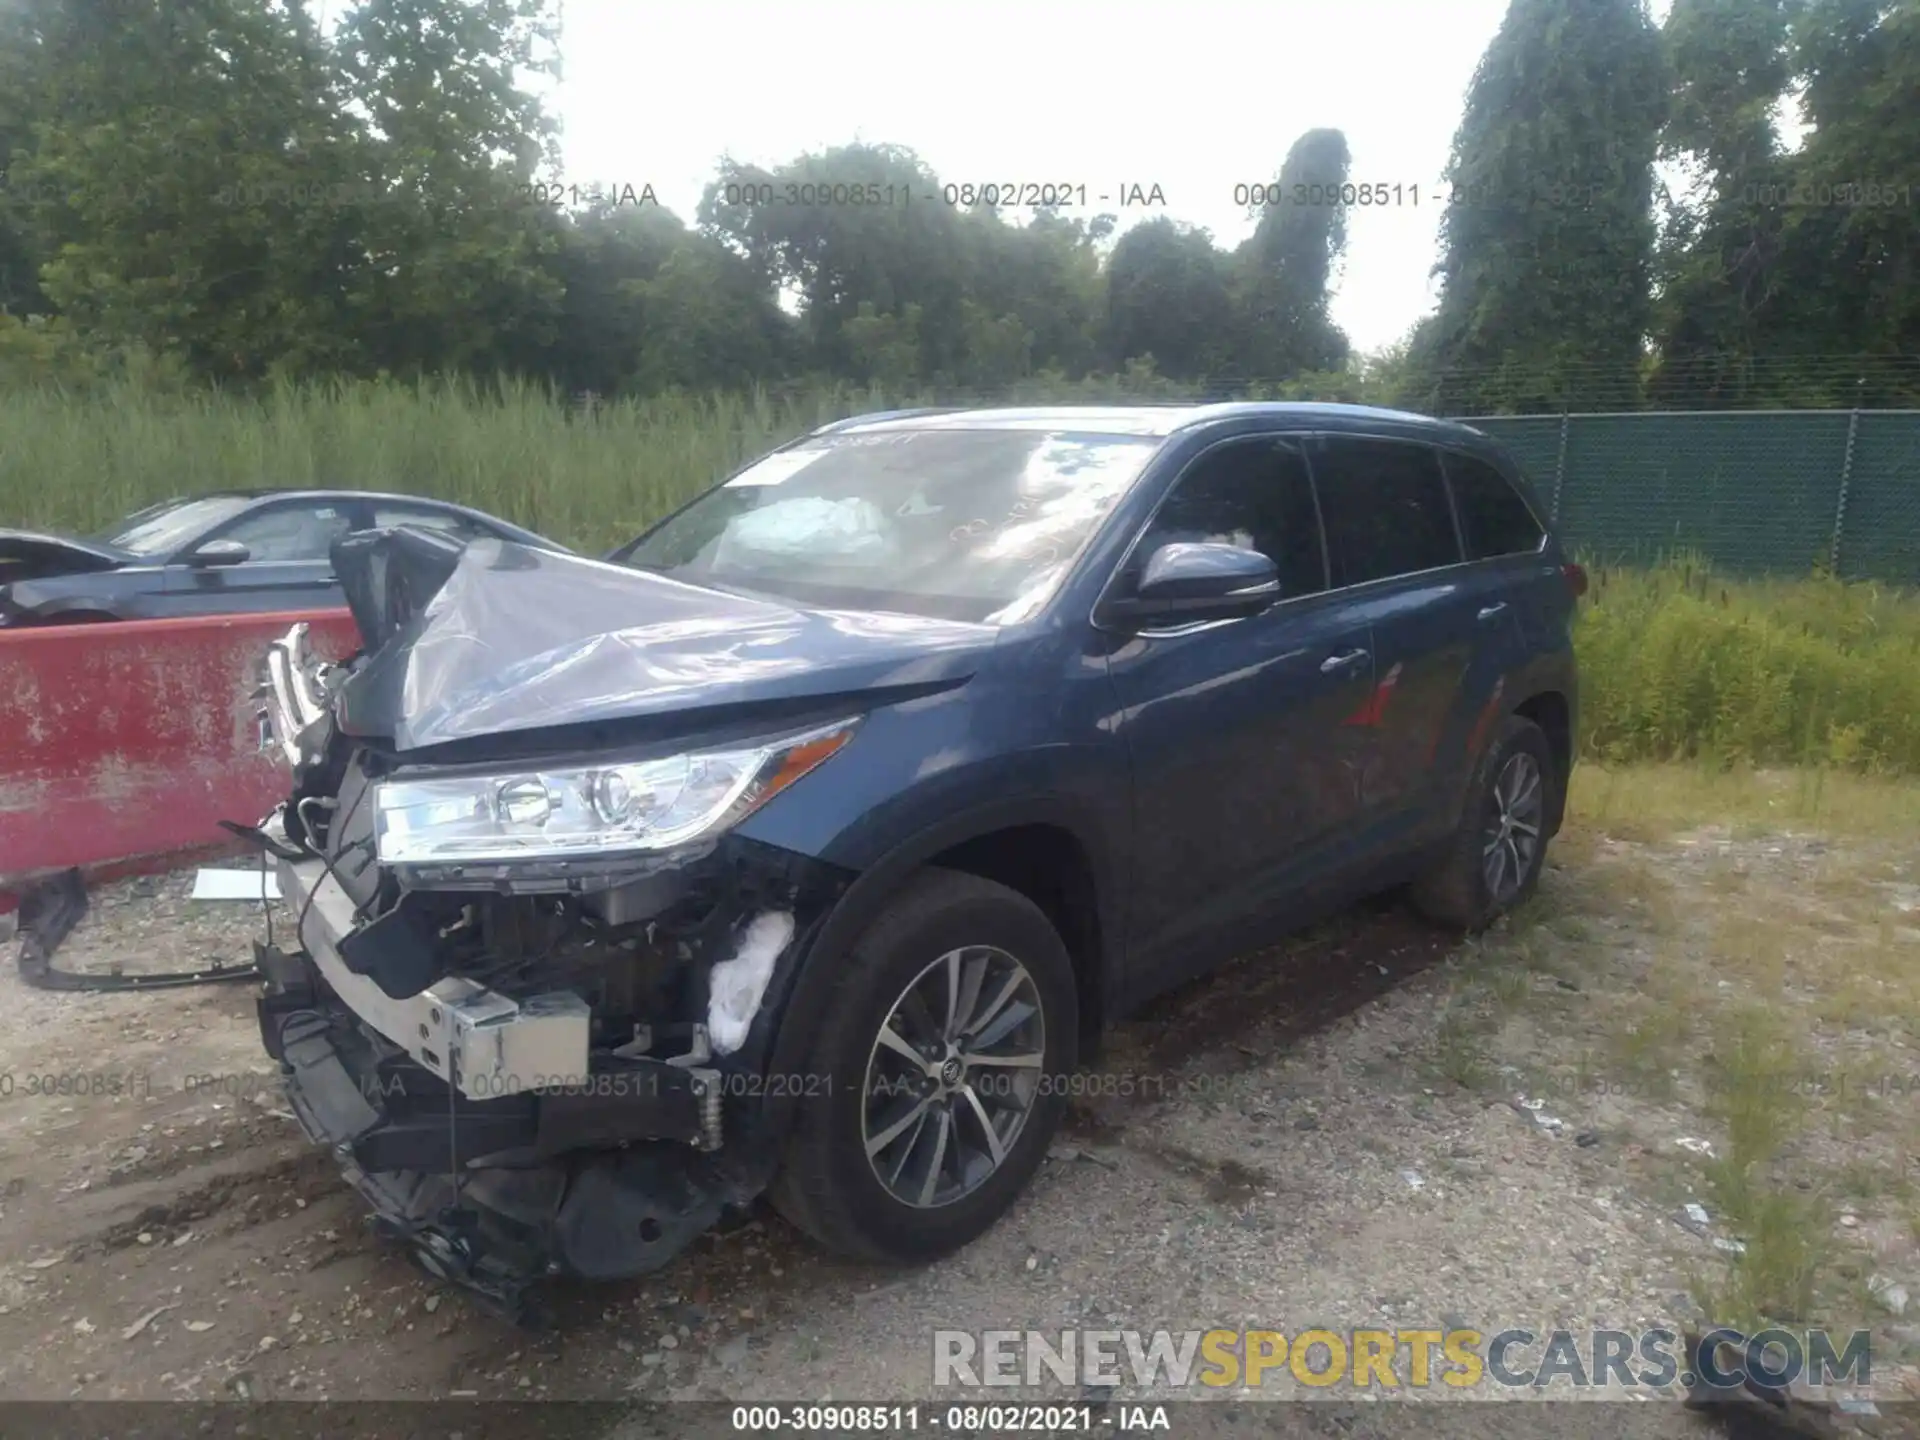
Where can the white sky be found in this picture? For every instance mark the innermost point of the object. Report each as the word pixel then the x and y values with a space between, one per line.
pixel 1196 97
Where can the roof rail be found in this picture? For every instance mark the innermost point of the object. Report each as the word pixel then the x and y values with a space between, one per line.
pixel 874 415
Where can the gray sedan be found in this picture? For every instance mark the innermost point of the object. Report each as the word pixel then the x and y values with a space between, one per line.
pixel 214 554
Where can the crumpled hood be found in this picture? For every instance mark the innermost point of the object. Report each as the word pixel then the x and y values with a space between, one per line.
pixel 504 638
pixel 26 555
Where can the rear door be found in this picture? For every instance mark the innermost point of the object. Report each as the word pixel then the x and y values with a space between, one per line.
pixel 1443 632
pixel 1506 544
pixel 1233 726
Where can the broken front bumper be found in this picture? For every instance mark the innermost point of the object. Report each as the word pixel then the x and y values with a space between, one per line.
pixel 475 1039
pixel 477 1127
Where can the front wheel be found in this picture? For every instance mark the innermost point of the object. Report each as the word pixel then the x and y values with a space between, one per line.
pixel 952 1024
pixel 1493 861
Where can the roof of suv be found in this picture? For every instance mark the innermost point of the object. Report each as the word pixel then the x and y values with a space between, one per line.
pixel 1149 420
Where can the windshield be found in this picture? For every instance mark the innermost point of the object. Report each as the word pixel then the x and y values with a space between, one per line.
pixel 973 525
pixel 162 529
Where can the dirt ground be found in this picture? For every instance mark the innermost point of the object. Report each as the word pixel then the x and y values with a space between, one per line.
pixel 1369 1125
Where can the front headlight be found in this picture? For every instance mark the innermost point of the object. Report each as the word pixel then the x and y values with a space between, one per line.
pixel 588 812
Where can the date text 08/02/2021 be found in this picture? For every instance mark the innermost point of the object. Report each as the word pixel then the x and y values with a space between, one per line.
pixel 957 1419
pixel 1016 194
pixel 800 1085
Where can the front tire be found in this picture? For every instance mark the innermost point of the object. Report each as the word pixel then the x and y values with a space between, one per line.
pixel 952 1023
pixel 1492 862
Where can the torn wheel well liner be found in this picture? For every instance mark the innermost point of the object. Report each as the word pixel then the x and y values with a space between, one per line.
pixel 1037 829
pixel 1550 711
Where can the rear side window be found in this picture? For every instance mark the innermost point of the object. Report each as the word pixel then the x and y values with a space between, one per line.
pixel 457 525
pixel 1385 507
pixel 1254 494
pixel 1493 517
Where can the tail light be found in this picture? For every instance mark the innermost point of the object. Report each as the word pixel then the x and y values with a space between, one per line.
pixel 1576 576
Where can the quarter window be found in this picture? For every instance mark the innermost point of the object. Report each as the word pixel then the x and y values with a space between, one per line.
pixel 1385 506
pixel 1255 494
pixel 1493 517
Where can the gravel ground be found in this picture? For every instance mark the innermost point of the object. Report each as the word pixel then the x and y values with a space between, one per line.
pixel 1278 1146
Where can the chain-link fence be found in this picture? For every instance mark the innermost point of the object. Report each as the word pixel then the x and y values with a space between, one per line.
pixel 1780 491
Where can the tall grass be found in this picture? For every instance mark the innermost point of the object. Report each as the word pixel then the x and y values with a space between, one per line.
pixel 1677 662
pixel 588 478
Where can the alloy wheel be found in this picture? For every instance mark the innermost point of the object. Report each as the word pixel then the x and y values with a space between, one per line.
pixel 1512 836
pixel 952 1076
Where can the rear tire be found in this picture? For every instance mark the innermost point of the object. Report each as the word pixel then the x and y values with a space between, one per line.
pixel 1492 862
pixel 916 1150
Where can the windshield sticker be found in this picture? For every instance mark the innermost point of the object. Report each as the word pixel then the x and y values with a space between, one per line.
pixel 858 440
pixel 776 469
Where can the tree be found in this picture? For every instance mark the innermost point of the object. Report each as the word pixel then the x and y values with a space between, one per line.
pixel 1547 238
pixel 1789 278
pixel 853 227
pixel 707 322
pixel 20 293
pixel 1167 300
pixel 1037 292
pixel 214 179
pixel 1283 271
pixel 169 182
pixel 454 271
pixel 1717 274
pixel 1850 247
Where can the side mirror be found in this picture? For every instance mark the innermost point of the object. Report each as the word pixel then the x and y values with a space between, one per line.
pixel 217 553
pixel 1197 581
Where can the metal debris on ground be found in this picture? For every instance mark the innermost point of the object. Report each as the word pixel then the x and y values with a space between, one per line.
pixel 1537 1111
pixel 255 885
pixel 1891 1294
pixel 50 910
pixel 147 1319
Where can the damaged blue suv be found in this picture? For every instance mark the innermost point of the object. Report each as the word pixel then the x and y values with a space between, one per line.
pixel 805 845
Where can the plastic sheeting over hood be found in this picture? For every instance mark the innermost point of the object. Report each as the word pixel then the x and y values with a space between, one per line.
pixel 506 638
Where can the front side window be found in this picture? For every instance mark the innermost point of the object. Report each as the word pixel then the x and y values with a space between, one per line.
pixel 287 533
pixel 1385 506
pixel 977 525
pixel 1251 493
pixel 1493 517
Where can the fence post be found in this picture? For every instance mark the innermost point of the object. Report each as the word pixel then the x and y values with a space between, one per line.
pixel 1560 468
pixel 1840 507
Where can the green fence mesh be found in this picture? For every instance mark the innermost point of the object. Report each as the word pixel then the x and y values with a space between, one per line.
pixel 1755 491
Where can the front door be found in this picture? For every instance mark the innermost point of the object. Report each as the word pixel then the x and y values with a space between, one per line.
pixel 1233 727
pixel 289 564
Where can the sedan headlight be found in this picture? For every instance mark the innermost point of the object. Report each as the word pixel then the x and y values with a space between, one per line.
pixel 591 811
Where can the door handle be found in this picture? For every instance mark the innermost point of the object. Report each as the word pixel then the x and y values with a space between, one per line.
pixel 1493 611
pixel 1344 661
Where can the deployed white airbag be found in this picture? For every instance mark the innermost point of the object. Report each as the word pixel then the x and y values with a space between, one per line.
pixel 735 987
